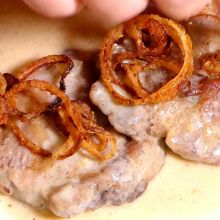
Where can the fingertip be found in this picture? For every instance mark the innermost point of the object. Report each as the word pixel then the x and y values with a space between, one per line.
pixel 181 9
pixel 55 8
pixel 115 10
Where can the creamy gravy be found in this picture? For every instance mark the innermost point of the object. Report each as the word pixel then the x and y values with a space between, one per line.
pixel 183 190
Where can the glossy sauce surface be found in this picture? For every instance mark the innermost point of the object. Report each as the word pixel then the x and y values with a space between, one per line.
pixel 183 190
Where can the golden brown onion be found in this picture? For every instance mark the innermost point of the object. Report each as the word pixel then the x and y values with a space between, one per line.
pixel 44 61
pixel 96 141
pixel 211 65
pixel 78 119
pixel 141 30
pixel 76 129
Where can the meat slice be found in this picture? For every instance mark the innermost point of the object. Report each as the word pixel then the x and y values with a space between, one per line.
pixel 121 181
pixel 78 183
pixel 189 124
pixel 140 121
pixel 196 136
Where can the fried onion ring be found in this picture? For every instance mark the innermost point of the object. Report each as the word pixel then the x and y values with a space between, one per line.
pixel 159 29
pixel 30 69
pixel 44 86
pixel 97 139
pixel 44 61
pixel 77 119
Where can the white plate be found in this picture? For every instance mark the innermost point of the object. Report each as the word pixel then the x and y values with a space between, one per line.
pixel 182 190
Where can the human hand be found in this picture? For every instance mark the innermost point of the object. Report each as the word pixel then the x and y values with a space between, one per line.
pixel 116 10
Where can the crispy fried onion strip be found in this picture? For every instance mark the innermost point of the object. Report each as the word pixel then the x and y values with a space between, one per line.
pixel 97 139
pixel 156 31
pixel 78 120
pixel 45 61
pixel 201 82
pixel 75 135
pixel 211 65
pixel 31 69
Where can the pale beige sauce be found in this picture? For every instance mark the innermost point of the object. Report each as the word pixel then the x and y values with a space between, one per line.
pixel 183 190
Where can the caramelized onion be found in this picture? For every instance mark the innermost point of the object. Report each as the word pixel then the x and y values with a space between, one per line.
pixel 76 117
pixel 96 140
pixel 44 61
pixel 80 124
pixel 154 31
pixel 76 131
pixel 3 84
pixel 211 64
pixel 10 80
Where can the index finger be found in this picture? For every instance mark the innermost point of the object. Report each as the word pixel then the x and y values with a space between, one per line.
pixel 117 10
